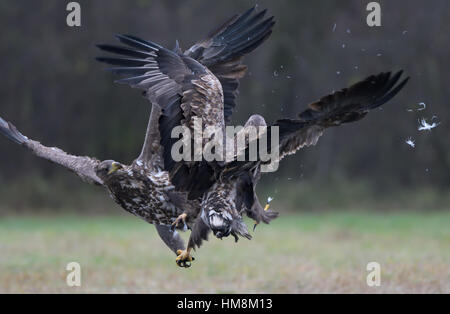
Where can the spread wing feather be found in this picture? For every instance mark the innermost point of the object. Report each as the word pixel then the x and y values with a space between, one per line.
pixel 223 51
pixel 178 85
pixel 84 167
pixel 344 106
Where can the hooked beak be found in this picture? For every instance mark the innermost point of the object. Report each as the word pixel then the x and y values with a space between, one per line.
pixel 114 167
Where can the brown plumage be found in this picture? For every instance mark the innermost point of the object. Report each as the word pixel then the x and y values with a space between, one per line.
pixel 232 192
pixel 202 82
pixel 141 188
pixel 345 106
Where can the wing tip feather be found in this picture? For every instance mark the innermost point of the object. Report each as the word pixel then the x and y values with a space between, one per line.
pixel 11 132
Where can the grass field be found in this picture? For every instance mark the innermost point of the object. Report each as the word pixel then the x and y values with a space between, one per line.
pixel 297 253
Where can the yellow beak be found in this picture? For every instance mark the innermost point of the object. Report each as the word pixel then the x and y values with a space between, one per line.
pixel 114 167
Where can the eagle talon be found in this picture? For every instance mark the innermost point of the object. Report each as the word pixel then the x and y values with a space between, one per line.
pixel 182 218
pixel 184 258
pixel 184 264
pixel 266 208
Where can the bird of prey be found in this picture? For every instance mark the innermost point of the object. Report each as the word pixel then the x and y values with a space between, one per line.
pixel 228 189
pixel 202 82
pixel 169 78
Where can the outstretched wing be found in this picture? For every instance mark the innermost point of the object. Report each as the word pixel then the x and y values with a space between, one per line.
pixel 345 106
pixel 178 85
pixel 223 50
pixel 84 167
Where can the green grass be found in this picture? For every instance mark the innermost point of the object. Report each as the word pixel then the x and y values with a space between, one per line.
pixel 320 252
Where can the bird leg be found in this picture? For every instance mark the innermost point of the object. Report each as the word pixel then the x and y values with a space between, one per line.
pixel 200 232
pixel 266 208
pixel 177 221
pixel 184 257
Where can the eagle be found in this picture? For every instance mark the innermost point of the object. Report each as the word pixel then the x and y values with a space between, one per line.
pixel 202 82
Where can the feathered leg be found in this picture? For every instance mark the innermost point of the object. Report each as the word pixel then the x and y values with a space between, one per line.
pixel 200 232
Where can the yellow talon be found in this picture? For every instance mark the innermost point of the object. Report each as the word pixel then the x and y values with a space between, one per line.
pixel 266 208
pixel 184 258
pixel 182 218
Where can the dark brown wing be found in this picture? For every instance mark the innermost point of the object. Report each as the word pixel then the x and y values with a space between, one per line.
pixel 152 151
pixel 223 50
pixel 84 167
pixel 348 105
pixel 178 86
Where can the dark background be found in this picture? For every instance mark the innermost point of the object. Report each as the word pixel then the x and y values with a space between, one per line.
pixel 54 91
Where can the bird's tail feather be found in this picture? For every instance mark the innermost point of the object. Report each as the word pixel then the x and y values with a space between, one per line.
pixel 258 214
pixel 268 215
pixel 11 132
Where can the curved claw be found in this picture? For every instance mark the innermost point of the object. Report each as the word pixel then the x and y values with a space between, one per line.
pixel 184 264
pixel 184 259
pixel 175 224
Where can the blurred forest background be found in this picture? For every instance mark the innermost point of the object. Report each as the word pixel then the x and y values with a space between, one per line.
pixel 55 92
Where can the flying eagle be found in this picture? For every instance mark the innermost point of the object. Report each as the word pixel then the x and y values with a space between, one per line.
pixel 202 82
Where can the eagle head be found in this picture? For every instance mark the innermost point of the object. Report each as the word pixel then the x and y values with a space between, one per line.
pixel 107 168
